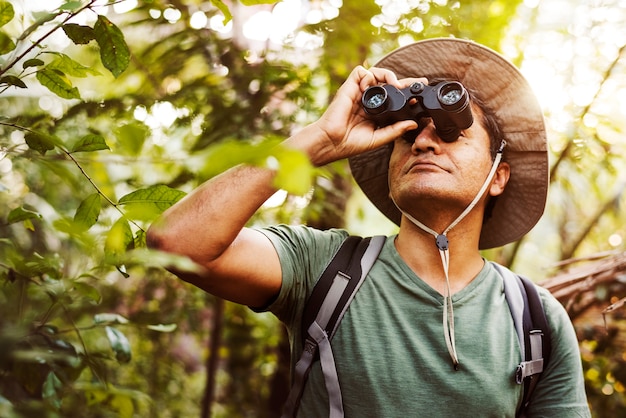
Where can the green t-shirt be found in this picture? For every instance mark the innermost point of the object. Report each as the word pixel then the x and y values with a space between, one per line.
pixel 390 351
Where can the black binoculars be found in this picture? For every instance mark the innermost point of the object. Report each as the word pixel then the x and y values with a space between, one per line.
pixel 446 102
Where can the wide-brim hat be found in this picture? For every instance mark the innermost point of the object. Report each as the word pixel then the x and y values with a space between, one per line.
pixel 507 94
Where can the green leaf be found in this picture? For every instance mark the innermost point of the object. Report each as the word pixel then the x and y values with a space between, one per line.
pixel 119 239
pixel 105 398
pixel 69 67
pixel 89 143
pixel 224 9
pixel 12 80
pixel 229 153
pixel 79 34
pixel 114 52
pixel 163 327
pixel 6 43
pixel 131 137
pixel 57 83
pixel 20 214
pixel 295 172
pixel 160 259
pixel 123 405
pixel 40 142
pixel 140 239
pixel 51 390
pixel 88 291
pixel 109 318
pixel 28 224
pixel 88 211
pixel 96 393
pixel 151 202
pixel 41 20
pixel 6 12
pixel 119 344
pixel 71 5
pixel 33 62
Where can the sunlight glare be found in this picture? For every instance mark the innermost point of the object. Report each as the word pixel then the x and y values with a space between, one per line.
pixel 615 240
pixel 330 11
pixel 6 165
pixel 161 115
pixel 276 199
pixel 217 24
pixel 198 20
pixel 313 17
pixel 37 5
pixel 52 105
pixel 531 4
pixel 286 16
pixel 376 21
pixel 275 25
pixel 172 15
pixel 259 26
pixel 590 120
pixel 165 113
pixel 308 41
pixel 124 6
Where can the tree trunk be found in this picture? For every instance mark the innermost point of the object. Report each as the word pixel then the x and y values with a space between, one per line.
pixel 212 363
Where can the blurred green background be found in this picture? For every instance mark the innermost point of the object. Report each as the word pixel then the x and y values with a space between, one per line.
pixel 110 111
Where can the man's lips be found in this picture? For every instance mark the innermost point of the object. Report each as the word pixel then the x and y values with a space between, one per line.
pixel 425 165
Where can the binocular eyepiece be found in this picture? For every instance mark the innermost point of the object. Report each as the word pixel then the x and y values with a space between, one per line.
pixel 447 103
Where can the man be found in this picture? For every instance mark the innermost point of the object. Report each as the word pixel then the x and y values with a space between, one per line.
pixel 429 333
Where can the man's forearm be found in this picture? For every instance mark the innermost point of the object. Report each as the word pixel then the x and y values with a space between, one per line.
pixel 204 223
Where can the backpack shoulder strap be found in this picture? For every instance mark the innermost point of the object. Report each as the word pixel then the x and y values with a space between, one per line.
pixel 532 330
pixel 340 281
pixel 323 312
pixel 538 338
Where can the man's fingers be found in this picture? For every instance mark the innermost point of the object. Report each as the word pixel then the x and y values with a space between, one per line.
pixel 383 75
pixel 392 132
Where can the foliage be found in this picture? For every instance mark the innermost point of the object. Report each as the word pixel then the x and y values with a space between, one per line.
pixel 64 244
pixel 605 371
pixel 108 118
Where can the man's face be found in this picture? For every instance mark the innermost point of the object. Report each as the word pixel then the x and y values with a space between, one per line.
pixel 442 175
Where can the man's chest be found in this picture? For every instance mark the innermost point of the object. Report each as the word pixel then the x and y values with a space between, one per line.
pixel 392 359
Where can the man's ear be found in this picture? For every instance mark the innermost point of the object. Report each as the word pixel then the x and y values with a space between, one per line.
pixel 500 179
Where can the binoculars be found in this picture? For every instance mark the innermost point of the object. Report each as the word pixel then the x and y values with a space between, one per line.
pixel 447 103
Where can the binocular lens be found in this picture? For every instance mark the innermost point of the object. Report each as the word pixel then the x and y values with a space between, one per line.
pixel 451 97
pixel 375 100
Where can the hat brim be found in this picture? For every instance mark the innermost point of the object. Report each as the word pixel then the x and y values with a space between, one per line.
pixel 509 97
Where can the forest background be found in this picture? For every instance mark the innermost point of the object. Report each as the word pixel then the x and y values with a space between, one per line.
pixel 110 111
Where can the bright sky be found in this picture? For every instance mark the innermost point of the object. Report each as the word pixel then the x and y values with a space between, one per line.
pixel 566 59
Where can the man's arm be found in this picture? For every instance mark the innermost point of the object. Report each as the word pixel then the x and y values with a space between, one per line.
pixel 208 225
pixel 236 263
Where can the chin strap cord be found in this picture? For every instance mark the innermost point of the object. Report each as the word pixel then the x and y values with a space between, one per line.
pixel 441 240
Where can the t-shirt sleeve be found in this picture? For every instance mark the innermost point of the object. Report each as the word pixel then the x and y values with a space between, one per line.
pixel 561 388
pixel 304 252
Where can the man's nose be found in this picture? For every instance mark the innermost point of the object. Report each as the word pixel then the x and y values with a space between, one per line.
pixel 426 138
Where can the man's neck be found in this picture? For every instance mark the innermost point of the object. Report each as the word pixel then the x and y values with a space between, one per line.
pixel 419 250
